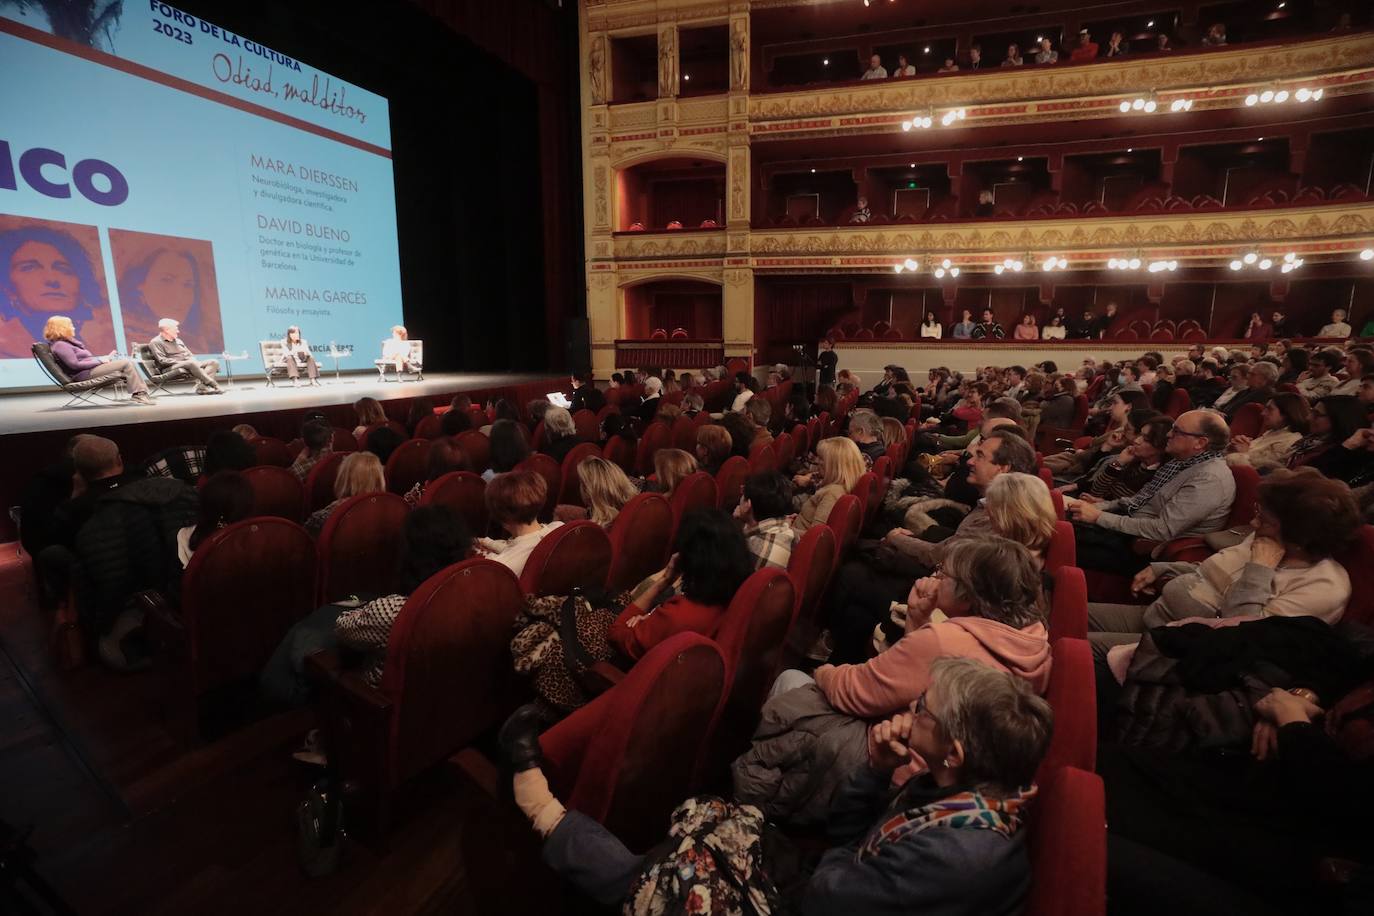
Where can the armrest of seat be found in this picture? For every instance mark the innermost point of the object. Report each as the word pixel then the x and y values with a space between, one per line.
pixel 1184 550
pixel 355 723
pixel 1144 547
pixel 600 677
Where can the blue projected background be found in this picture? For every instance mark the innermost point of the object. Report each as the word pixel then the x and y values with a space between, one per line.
pixel 164 167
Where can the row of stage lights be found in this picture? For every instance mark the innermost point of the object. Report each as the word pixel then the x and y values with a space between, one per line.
pixel 1287 264
pixel 924 122
pixel 1279 96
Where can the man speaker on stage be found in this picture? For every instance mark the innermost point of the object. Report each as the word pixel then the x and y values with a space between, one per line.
pixel 170 353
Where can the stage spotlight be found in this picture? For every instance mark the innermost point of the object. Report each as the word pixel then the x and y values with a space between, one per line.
pixel 1236 265
pixel 1265 264
pixel 1250 257
pixel 1367 254
pixel 1252 99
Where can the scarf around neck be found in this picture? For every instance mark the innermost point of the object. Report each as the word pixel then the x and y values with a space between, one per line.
pixel 1167 472
pixel 969 809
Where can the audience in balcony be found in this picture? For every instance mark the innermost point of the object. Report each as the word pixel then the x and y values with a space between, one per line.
pixel 988 328
pixel 1086 50
pixel 1287 419
pixel 1257 329
pixel 1191 494
pixel 1278 325
pixel 904 67
pixel 1338 326
pixel 1055 330
pixel 876 70
pixel 1045 53
pixel 1321 375
pixel 359 473
pixel 985 205
pixel 1283 569
pixel 949 66
pixel 1013 58
pixel 931 328
pixel 1103 323
pixel 1027 329
pixel 975 57
pixel 964 329
pixel 709 563
pixel 1117 46
pixel 1083 328
pixel 1162 44
pixel 862 213
pixel 1216 36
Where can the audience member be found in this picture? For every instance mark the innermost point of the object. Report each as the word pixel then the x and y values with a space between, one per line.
pixel 1046 54
pixel 963 329
pixel 444 458
pixel 226 451
pixel 988 328
pixel 1124 474
pixel 514 500
pixel 710 562
pixel 560 434
pixel 605 489
pixel 1259 389
pixel 1086 52
pixel 1117 46
pixel 949 66
pixel 359 473
pixel 1338 326
pixel 1013 58
pixel 1287 418
pixel 671 467
pixel 1321 375
pixel 586 396
pixel 1216 36
pixel 508 448
pixel 714 445
pixel 841 466
pixel 370 414
pixel 765 510
pixel 226 498
pixel 454 422
pixel 382 441
pixel 317 441
pixel 745 385
pixel 904 67
pixel 876 70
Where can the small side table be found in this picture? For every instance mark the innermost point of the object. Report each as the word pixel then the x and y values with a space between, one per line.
pixel 229 360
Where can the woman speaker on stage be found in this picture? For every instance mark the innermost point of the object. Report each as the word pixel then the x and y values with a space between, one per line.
pixel 395 352
pixel 296 354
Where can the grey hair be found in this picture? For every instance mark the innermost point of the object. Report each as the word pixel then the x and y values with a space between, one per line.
pixel 866 421
pixel 998 578
pixel 1003 726
pixel 693 402
pixel 1218 433
pixel 168 323
pixel 1266 369
pixel 559 422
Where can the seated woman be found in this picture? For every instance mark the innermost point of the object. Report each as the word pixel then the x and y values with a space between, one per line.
pixel 81 364
pixel 967 412
pixel 713 447
pixel 1125 473
pixel 709 563
pixel 370 414
pixel 444 458
pixel 396 352
pixel 1059 403
pixel 1333 447
pixel 421 409
pixel 296 356
pixel 671 467
pixel 226 450
pixel 509 447
pixel 1287 418
pixel 841 467
pixel 978 735
pixel 514 500
pixel 432 538
pixel 1027 329
pixel 1284 569
pixel 987 591
pixel 227 497
pixel 1071 464
pixel 560 434
pixel 605 490
pixel 359 472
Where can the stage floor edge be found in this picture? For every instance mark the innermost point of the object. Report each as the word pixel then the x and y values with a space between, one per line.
pixel 33 412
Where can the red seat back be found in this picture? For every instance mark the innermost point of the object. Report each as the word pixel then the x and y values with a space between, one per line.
pixel 846 518
pixel 267 450
pixel 575 555
pixel 866 490
pixel 276 491
pixel 1063 548
pixel 359 545
pixel 624 759
pixel 801 440
pixel 685 434
pixel 762 457
pixel 730 482
pixel 1179 403
pixel 640 539
pixel 620 452
pixel 657 435
pixel 1068 846
pixel 344 441
pixel 570 493
pixel 785 449
pixel 244 588
pixel 407 465
pixel 476 447
pixel 1080 411
pixel 428 428
pixel 588 427
pixel 450 641
pixel 695 491
pixel 751 636
pixel 1247 494
pixel 537 440
pixel 1247 420
pixel 1358 560
pixel 549 469
pixel 465 493
pixel 1069 609
pixel 810 566
pixel 319 483
pixel 1072 696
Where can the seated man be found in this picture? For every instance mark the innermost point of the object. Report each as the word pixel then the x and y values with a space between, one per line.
pixel 170 353
pixel 988 328
pixel 765 508
pixel 1191 494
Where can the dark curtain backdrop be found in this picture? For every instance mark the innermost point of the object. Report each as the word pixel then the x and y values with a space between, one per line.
pixel 484 106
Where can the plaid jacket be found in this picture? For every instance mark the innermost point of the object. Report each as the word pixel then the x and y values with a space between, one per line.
pixel 771 542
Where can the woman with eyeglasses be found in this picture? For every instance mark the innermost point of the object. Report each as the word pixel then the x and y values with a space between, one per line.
pixel 1336 419
pixel 1284 569
pixel 976 735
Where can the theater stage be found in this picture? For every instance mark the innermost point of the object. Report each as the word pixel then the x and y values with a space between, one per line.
pixel 34 425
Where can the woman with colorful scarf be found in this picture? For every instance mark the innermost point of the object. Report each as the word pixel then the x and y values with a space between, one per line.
pixel 949 841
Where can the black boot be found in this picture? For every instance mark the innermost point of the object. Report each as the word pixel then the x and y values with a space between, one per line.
pixel 519 738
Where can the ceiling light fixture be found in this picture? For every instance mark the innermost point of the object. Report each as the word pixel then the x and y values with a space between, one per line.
pixel 1367 254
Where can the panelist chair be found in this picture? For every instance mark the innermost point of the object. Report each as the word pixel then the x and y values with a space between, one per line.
pixel 81 392
pixel 156 378
pixel 273 360
pixel 417 359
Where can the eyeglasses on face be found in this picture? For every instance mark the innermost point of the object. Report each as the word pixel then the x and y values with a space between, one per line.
pixel 1176 431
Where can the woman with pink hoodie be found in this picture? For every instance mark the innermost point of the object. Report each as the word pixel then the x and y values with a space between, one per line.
pixel 982 602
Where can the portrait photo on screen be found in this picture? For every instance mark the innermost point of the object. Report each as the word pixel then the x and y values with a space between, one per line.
pixel 49 268
pixel 161 276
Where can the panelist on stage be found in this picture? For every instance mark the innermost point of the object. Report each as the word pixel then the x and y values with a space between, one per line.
pixel 171 353
pixel 80 364
pixel 396 350
pixel 296 356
